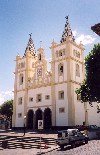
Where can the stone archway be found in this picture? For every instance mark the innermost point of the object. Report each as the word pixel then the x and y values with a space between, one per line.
pixel 30 116
pixel 38 116
pixel 47 118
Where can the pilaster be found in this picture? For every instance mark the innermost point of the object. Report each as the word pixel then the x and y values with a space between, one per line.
pixel 53 89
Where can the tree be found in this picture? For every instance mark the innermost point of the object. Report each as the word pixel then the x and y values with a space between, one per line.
pixel 7 108
pixel 89 90
pixel 84 93
pixel 92 63
pixel 0 109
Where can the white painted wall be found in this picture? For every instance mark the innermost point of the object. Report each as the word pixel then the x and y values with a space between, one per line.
pixel 93 116
pixel 20 109
pixel 42 90
pixel 79 108
pixel 61 118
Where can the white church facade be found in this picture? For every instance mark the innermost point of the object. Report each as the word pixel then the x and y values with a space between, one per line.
pixel 50 96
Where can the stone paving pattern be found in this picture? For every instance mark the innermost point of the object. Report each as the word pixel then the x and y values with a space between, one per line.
pixel 29 145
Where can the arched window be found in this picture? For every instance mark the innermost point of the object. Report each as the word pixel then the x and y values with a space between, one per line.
pixel 40 57
pixel 22 64
pixel 78 55
pixel 63 51
pixel 20 101
pixel 61 95
pixel 77 70
pixel 60 69
pixel 60 53
pixel 21 79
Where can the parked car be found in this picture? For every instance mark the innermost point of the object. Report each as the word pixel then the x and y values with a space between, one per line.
pixel 93 127
pixel 71 137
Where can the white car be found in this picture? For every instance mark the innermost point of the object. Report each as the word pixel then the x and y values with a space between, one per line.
pixel 71 137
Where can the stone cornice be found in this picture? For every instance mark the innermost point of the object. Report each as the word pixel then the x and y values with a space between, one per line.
pixel 66 58
pixel 68 41
pixel 39 106
pixel 51 84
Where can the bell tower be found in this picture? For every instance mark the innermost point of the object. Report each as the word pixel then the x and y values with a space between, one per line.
pixel 41 64
pixel 67 74
pixel 23 72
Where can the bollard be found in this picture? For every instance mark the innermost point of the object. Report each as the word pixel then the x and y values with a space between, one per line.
pixel 45 147
pixel 4 144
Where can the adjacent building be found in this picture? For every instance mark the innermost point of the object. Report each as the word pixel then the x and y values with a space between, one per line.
pixel 96 28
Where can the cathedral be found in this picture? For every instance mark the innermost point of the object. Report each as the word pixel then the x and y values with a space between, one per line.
pixel 50 96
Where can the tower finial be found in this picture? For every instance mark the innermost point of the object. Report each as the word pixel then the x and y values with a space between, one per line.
pixel 40 44
pixel 30 47
pixel 67 17
pixel 67 31
pixel 30 35
pixel 17 54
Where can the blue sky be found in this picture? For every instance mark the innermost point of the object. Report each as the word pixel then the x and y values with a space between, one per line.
pixel 45 19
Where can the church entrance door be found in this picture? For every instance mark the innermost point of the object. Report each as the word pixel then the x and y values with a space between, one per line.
pixel 38 117
pixel 47 118
pixel 30 119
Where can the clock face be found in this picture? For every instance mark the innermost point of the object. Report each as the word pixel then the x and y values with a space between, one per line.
pixel 39 72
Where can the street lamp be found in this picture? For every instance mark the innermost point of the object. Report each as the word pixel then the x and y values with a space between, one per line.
pixel 86 114
pixel 24 125
pixel 86 117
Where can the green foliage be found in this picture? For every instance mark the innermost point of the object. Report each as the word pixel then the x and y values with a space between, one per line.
pixel 7 108
pixel 90 88
pixel 0 109
pixel 84 92
pixel 92 63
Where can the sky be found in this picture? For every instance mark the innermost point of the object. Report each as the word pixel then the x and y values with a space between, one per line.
pixel 45 19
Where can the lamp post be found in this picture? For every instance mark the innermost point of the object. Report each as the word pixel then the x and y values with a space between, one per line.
pixel 24 125
pixel 86 116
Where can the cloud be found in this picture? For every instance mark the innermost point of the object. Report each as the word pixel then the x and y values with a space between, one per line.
pixel 85 39
pixel 74 33
pixel 1 98
pixel 5 95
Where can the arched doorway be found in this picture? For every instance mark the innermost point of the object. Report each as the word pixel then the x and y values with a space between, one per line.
pixel 38 117
pixel 47 118
pixel 30 119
